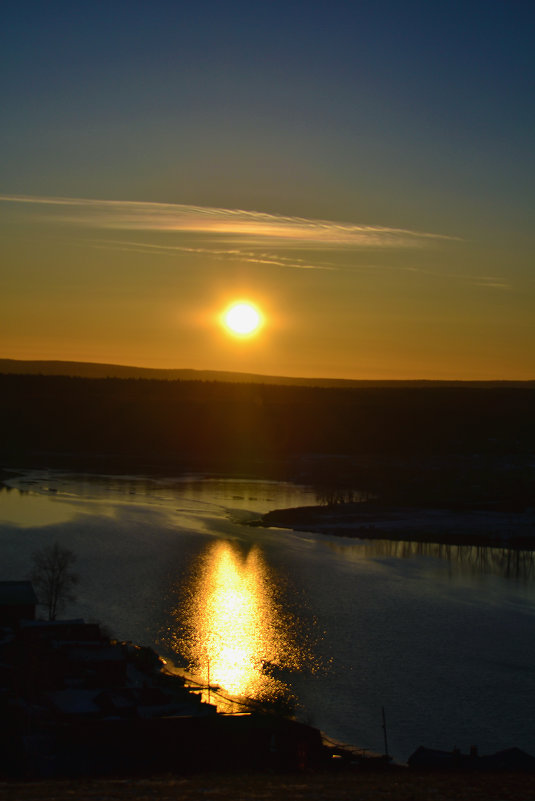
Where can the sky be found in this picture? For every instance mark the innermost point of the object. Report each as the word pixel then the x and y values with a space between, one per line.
pixel 363 172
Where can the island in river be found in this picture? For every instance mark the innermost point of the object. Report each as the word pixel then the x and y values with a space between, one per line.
pixel 374 520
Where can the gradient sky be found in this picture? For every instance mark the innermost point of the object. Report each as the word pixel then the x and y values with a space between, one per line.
pixel 363 171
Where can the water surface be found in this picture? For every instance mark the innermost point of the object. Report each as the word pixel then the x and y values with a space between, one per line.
pixel 441 637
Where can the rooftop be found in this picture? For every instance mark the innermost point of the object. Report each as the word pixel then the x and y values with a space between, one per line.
pixel 17 593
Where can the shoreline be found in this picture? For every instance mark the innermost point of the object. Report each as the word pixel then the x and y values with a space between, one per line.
pixel 511 530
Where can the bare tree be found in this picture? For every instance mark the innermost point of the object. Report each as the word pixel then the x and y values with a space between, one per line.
pixel 53 579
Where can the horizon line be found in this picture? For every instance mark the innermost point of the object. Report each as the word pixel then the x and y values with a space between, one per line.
pixel 248 375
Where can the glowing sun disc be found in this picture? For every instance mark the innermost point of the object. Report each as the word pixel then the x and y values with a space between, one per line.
pixel 242 319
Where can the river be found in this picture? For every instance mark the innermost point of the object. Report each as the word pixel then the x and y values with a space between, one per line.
pixel 442 638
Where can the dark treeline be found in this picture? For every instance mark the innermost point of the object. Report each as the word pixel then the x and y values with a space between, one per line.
pixel 65 421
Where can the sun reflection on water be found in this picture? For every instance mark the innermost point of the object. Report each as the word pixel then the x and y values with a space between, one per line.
pixel 234 633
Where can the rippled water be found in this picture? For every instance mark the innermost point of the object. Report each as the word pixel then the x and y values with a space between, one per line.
pixel 441 637
pixel 231 628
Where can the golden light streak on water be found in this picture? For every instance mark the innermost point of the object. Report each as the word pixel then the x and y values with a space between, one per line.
pixel 235 632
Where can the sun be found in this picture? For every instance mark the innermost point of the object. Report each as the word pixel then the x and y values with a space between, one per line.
pixel 242 319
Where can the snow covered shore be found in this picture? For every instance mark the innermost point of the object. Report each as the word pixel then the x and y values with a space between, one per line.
pixel 510 529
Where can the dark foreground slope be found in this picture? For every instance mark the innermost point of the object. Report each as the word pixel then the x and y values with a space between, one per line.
pixel 394 786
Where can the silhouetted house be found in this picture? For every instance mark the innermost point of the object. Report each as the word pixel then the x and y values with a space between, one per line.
pixel 42 652
pixel 61 631
pixel 432 759
pixel 510 760
pixel 97 665
pixel 74 702
pixel 144 746
pixel 17 602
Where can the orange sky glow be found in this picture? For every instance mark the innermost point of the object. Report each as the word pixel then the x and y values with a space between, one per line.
pixel 363 178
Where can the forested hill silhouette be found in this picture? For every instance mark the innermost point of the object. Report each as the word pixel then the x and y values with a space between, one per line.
pixel 96 370
pixel 293 432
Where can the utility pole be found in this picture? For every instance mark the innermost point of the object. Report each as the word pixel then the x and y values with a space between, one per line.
pixel 384 732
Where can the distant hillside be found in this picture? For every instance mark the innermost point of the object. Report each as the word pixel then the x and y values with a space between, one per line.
pixel 236 424
pixel 439 445
pixel 95 370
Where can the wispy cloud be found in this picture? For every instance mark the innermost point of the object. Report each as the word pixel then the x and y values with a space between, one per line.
pixel 276 260
pixel 491 282
pixel 247 236
pixel 252 227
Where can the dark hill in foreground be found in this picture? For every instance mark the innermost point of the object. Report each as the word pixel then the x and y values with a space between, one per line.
pixel 396 785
